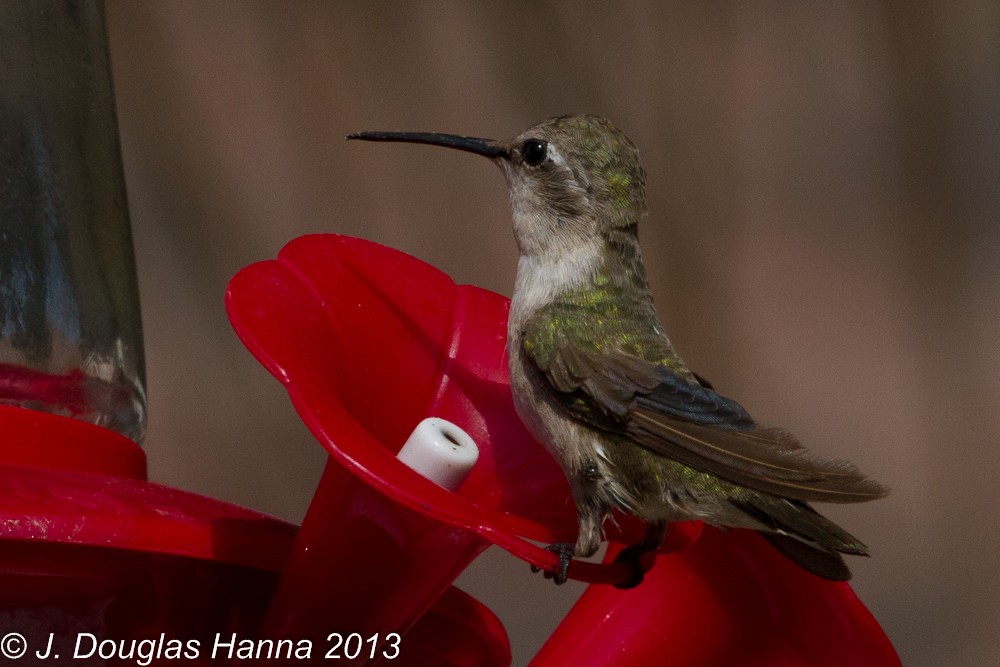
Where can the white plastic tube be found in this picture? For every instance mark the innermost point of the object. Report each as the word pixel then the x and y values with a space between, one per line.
pixel 441 452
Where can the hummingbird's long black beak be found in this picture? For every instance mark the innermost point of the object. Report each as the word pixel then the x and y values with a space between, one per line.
pixel 485 147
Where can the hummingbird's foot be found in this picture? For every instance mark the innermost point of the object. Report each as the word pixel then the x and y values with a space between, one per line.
pixel 565 552
pixel 634 555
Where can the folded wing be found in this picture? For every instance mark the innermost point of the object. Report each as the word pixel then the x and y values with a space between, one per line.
pixel 647 393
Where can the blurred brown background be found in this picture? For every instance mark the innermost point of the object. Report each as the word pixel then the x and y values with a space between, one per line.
pixel 823 239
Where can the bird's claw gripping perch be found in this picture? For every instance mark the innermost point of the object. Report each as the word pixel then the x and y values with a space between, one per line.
pixel 565 552
pixel 632 557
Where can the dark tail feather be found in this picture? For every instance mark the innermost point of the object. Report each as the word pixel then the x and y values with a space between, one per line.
pixel 826 564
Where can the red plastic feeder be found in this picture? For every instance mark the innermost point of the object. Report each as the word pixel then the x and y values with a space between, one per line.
pixel 91 549
pixel 369 341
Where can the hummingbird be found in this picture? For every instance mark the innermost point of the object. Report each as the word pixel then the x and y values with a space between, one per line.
pixel 596 380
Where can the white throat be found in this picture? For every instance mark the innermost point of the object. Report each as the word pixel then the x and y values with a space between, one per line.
pixel 542 278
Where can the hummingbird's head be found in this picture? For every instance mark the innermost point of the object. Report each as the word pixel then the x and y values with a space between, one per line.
pixel 571 178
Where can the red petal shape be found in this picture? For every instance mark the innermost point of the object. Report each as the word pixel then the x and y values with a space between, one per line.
pixel 728 599
pixel 67 481
pixel 369 341
pixel 458 631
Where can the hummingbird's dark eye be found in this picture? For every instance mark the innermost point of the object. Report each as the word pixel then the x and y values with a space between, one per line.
pixel 533 152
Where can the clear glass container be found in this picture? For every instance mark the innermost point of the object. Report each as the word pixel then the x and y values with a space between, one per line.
pixel 70 330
